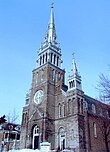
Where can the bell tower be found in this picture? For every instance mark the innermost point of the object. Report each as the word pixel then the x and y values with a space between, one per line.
pixel 74 79
pixel 50 51
pixel 47 79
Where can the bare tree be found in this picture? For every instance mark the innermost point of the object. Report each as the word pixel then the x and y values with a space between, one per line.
pixel 105 130
pixel 104 88
pixel 12 117
pixel 2 119
pixel 104 122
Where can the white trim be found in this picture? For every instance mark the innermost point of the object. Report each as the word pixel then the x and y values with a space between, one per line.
pixel 35 133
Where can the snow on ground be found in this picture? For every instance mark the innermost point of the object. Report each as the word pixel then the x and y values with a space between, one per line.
pixel 29 150
pixel 25 150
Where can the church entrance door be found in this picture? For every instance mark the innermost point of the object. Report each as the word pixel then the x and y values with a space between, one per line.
pixel 62 142
pixel 36 142
pixel 62 138
pixel 35 138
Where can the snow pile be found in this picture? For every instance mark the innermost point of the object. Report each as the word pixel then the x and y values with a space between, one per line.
pixel 25 150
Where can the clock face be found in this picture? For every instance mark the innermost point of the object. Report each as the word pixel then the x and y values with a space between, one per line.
pixel 38 97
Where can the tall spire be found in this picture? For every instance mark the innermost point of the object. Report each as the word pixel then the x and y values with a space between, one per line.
pixel 74 79
pixel 51 31
pixel 75 71
pixel 50 51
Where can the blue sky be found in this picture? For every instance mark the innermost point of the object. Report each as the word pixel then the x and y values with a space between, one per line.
pixel 82 26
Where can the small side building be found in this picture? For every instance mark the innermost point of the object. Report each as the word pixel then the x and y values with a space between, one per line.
pixel 9 136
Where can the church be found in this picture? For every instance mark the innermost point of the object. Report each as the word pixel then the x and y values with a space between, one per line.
pixel 60 113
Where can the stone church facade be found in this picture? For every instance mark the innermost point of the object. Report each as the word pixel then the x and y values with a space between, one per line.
pixel 58 113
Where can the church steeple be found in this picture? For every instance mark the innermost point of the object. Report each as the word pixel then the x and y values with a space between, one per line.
pixel 74 79
pixel 50 51
pixel 75 71
pixel 51 31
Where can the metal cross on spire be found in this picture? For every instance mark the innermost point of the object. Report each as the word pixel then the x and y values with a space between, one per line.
pixel 52 5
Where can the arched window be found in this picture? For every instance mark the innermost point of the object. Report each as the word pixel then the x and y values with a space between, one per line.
pixel 54 58
pixel 73 106
pixel 73 84
pixel 94 129
pixel 63 110
pixel 100 110
pixel 81 106
pixel 69 84
pixel 35 130
pixel 37 77
pixel 42 75
pixel 93 108
pixel 69 106
pixel 85 105
pixel 26 117
pixel 51 57
pixel 40 60
pixel 53 74
pixel 58 76
pixel 46 57
pixel 23 119
pixel 57 60
pixel 60 110
pixel 43 58
pixel 62 77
